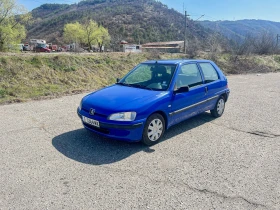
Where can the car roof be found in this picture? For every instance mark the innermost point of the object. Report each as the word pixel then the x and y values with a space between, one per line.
pixel 175 61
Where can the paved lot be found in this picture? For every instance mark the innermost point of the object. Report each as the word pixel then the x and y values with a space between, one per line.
pixel 48 161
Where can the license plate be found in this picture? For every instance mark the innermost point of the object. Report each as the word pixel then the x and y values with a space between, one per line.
pixel 91 121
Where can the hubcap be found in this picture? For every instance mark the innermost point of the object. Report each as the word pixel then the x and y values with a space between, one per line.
pixel 220 106
pixel 155 129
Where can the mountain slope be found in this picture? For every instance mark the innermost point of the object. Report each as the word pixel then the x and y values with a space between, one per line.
pixel 240 28
pixel 137 21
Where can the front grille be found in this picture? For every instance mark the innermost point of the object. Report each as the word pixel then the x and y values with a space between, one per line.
pixel 96 113
pixel 101 130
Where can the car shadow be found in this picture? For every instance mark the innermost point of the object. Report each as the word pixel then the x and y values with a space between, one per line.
pixel 86 147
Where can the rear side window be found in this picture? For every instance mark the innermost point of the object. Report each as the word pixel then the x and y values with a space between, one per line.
pixel 210 73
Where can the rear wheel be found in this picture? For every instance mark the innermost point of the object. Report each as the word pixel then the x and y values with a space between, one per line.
pixel 154 129
pixel 219 108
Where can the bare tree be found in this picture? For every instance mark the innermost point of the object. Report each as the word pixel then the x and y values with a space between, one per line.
pixel 192 47
pixel 214 45
pixel 243 46
pixel 265 43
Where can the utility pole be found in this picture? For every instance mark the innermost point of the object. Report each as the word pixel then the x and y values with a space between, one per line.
pixel 185 32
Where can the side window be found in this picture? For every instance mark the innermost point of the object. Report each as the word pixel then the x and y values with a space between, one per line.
pixel 209 72
pixel 189 75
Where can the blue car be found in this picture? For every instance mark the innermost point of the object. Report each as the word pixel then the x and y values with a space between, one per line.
pixel 154 96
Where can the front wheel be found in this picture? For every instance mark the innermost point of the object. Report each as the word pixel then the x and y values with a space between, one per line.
pixel 154 129
pixel 219 108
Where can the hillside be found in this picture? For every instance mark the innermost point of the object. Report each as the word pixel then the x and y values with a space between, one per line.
pixel 131 20
pixel 240 28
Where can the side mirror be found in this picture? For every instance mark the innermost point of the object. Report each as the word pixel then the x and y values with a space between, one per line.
pixel 118 79
pixel 183 89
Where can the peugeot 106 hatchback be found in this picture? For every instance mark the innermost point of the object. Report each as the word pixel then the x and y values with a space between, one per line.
pixel 154 96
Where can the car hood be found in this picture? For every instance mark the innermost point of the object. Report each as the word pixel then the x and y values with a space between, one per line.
pixel 120 98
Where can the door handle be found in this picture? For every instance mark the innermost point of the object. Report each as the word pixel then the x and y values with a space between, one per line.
pixel 206 89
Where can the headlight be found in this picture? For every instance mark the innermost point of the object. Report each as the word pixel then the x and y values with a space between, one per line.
pixel 123 116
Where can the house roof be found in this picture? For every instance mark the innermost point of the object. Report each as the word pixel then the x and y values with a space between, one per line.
pixel 163 43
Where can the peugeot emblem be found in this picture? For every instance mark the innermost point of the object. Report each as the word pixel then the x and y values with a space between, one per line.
pixel 91 111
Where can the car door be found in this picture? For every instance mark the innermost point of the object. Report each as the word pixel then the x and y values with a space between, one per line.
pixel 187 104
pixel 212 84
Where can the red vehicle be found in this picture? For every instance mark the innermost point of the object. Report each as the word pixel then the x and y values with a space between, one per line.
pixel 53 47
pixel 42 48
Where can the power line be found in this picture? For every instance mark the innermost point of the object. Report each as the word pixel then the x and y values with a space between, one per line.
pixel 199 18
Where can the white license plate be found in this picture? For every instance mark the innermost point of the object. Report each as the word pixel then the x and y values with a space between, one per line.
pixel 91 121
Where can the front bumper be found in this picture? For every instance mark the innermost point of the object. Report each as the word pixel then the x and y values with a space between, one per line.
pixel 128 131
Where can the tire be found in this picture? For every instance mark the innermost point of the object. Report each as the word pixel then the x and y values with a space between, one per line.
pixel 219 108
pixel 156 122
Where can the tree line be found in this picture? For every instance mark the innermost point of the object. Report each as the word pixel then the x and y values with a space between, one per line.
pixel 12 18
pixel 88 33
pixel 12 29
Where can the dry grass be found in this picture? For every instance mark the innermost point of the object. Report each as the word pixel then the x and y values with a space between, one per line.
pixel 36 76
pixel 232 64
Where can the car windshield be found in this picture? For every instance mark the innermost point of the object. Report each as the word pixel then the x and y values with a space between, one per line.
pixel 150 76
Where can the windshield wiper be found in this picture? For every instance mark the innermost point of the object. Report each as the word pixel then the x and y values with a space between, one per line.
pixel 124 84
pixel 134 85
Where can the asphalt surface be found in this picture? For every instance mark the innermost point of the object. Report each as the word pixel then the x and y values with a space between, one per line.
pixel 48 161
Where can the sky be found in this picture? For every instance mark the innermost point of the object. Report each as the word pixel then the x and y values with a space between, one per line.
pixel 213 10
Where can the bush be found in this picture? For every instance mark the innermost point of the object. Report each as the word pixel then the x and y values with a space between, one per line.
pixel 2 93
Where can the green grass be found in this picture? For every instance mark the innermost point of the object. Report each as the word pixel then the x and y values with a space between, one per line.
pixel 24 77
pixel 44 76
pixel 3 93
pixel 277 59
